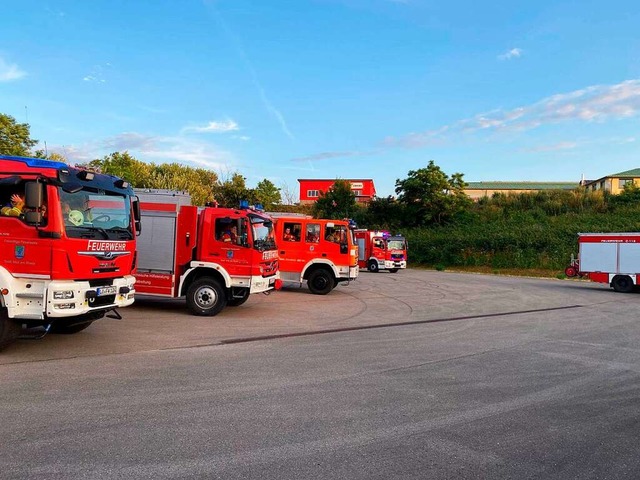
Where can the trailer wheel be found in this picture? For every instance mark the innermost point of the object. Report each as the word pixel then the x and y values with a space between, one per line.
pixel 206 297
pixel 9 330
pixel 320 282
pixel 571 271
pixel 372 266
pixel 622 284
pixel 393 270
pixel 236 301
pixel 64 329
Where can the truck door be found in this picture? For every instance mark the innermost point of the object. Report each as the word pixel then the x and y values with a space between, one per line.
pixel 291 247
pixel 230 246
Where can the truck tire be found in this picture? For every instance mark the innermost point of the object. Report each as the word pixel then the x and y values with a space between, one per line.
pixel 64 329
pixel 238 300
pixel 206 297
pixel 9 330
pixel 622 284
pixel 320 282
pixel 373 266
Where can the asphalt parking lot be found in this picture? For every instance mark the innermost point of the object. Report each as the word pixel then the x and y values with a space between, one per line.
pixel 418 374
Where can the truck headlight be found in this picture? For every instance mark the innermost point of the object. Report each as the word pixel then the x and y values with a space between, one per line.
pixel 63 294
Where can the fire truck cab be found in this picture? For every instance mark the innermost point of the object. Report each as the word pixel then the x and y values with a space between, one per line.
pixel 320 251
pixel 379 250
pixel 67 246
pixel 212 256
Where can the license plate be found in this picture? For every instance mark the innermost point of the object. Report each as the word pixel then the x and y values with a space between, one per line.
pixel 111 290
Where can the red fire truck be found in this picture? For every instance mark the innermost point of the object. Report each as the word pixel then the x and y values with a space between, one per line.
pixel 212 256
pixel 67 246
pixel 611 258
pixel 379 250
pixel 322 252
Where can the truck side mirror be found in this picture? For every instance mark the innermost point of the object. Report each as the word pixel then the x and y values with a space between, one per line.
pixel 136 215
pixel 33 195
pixel 33 200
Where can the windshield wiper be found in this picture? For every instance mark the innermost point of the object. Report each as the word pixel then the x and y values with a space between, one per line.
pixel 120 231
pixel 86 231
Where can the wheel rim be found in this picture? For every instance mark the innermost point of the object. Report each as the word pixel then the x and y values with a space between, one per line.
pixel 320 282
pixel 206 297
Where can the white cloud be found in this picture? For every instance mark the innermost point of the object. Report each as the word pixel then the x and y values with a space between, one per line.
pixel 214 127
pixel 151 149
pixel 97 74
pixel 552 148
pixel 595 103
pixel 513 53
pixel 329 156
pixel 10 71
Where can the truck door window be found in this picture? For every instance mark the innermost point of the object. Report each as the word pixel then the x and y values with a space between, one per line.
pixel 336 234
pixel 227 230
pixel 13 205
pixel 313 233
pixel 291 232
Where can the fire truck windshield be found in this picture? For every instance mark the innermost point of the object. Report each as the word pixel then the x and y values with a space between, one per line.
pixel 262 231
pixel 96 214
pixel 395 245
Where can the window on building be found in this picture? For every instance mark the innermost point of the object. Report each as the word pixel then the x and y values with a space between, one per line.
pixel 357 193
pixel 624 182
pixel 313 193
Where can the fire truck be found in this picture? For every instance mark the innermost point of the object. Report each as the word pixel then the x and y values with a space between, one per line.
pixel 67 246
pixel 379 250
pixel 322 252
pixel 610 258
pixel 212 256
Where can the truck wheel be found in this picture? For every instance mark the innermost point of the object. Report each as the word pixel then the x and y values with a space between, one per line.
pixel 622 284
pixel 393 270
pixel 320 282
pixel 372 266
pixel 235 301
pixel 9 330
pixel 64 329
pixel 206 297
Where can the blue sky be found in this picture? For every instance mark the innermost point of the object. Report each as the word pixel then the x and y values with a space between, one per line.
pixel 287 89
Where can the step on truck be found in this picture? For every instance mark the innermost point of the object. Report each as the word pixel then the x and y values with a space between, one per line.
pixel 379 250
pixel 610 258
pixel 319 251
pixel 212 256
pixel 67 246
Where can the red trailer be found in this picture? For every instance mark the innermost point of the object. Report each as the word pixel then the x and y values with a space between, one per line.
pixel 611 258
pixel 212 256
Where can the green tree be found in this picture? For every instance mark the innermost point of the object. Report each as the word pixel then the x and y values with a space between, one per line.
pixel 429 196
pixel 15 138
pixel 383 213
pixel 230 192
pixel 267 194
pixel 338 202
pixel 53 156
pixel 123 165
